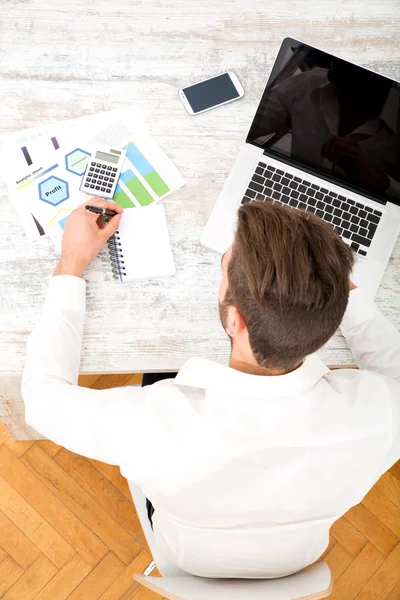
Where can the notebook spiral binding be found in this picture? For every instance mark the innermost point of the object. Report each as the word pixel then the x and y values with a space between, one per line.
pixel 116 256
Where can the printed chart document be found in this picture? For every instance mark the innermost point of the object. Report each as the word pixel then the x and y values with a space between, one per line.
pixel 147 177
pixel 43 167
pixel 27 154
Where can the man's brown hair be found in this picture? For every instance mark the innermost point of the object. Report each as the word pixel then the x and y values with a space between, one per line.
pixel 288 276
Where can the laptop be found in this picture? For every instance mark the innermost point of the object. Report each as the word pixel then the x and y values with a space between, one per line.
pixel 325 139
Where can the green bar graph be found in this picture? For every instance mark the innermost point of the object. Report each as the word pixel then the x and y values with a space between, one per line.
pixel 156 183
pixel 139 191
pixel 123 200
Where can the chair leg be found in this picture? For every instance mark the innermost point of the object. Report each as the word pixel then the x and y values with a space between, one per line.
pixel 149 569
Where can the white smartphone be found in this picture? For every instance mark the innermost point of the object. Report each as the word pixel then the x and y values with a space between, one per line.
pixel 210 93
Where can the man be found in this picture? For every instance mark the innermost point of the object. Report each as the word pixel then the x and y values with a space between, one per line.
pixel 247 466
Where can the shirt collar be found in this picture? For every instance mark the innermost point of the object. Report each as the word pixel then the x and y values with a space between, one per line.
pixel 209 375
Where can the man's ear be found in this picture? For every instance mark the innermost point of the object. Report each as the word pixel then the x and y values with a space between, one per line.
pixel 235 324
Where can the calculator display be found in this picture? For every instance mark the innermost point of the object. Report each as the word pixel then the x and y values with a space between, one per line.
pixel 108 157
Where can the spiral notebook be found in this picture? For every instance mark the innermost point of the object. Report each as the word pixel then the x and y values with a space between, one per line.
pixel 141 248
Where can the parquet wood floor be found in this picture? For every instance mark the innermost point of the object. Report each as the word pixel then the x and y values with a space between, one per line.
pixel 68 528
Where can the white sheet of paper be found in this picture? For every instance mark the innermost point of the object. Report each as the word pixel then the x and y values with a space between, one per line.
pixel 145 244
pixel 110 128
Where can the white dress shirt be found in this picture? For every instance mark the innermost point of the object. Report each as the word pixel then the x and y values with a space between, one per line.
pixel 246 473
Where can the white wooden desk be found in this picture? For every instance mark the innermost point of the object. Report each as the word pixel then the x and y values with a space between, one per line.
pixel 66 59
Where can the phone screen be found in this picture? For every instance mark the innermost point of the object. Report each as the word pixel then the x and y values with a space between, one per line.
pixel 209 93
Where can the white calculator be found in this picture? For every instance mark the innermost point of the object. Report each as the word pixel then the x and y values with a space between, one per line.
pixel 102 173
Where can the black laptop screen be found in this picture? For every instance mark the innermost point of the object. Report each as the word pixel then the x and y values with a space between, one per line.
pixel 333 119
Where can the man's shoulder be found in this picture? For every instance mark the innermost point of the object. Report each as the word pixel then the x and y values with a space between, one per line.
pixel 364 387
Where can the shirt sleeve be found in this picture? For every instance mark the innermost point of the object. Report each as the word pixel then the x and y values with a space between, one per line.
pixel 372 339
pixel 94 423
pixel 375 345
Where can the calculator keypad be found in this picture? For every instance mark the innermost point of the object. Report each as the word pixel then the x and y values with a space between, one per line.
pixel 100 177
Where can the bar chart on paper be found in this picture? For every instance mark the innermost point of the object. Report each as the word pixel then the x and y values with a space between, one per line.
pixel 32 158
pixel 136 189
pixel 147 176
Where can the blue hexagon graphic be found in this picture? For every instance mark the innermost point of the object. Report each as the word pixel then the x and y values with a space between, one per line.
pixel 53 190
pixel 76 161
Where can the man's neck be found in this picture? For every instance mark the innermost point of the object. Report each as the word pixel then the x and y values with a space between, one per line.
pixel 255 369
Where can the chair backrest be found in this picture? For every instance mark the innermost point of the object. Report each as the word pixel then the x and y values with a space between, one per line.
pixel 311 583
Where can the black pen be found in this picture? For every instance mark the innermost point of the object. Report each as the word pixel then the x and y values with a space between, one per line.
pixel 100 211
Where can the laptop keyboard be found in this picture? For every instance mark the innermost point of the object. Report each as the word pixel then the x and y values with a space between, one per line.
pixel 354 222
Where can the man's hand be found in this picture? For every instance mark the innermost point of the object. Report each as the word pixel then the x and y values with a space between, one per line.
pixel 84 236
pixel 348 155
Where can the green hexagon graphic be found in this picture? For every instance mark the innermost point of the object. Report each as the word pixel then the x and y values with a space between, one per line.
pixel 76 161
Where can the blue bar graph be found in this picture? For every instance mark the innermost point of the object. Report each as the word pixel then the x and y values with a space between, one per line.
pixel 127 176
pixel 62 222
pixel 146 170
pixel 138 159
